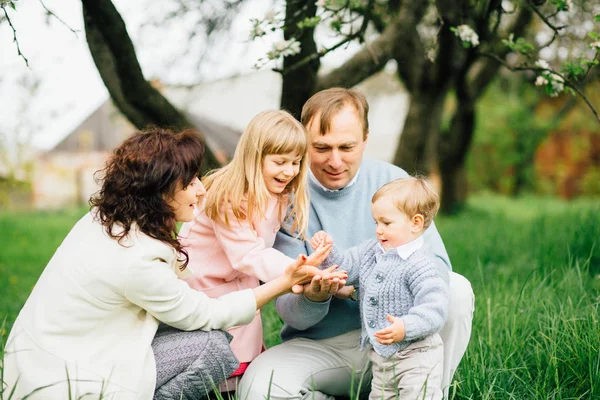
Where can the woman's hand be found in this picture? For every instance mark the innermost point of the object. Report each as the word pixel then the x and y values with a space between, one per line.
pixel 303 270
pixel 298 273
pixel 319 255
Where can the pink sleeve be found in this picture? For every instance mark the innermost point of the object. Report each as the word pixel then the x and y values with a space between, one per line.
pixel 246 251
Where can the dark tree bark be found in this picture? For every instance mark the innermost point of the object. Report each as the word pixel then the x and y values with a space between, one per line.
pixel 428 83
pixel 368 61
pixel 299 84
pixel 115 58
pixel 472 79
pixel 454 145
pixel 416 151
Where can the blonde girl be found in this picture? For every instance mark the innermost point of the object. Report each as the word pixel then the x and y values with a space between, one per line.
pixel 230 240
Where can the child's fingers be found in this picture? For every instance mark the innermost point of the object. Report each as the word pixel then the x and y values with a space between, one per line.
pixel 383 332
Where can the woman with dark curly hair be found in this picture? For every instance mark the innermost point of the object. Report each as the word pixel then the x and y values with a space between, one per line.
pixel 86 329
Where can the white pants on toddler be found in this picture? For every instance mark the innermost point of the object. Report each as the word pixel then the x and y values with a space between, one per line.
pixel 410 374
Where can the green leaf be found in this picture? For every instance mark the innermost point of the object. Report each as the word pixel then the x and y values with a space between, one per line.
pixel 590 63
pixel 593 35
pixel 597 17
pixel 12 5
pixel 336 25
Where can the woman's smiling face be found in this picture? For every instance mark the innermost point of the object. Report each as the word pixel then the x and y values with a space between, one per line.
pixel 185 200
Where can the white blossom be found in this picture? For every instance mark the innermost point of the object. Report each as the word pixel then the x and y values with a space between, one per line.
pixel 556 78
pixel 321 3
pixel 284 48
pixel 468 35
pixel 595 45
pixel 293 48
pixel 270 17
pixel 508 6
pixel 554 83
pixel 542 64
pixel 540 81
pixel 569 4
pixel 257 31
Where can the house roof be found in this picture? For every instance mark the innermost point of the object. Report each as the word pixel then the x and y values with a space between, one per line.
pixel 222 109
pixel 105 128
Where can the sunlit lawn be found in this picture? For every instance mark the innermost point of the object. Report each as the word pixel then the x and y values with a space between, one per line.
pixel 534 265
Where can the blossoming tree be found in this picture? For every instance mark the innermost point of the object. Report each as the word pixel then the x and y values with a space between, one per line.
pixel 442 48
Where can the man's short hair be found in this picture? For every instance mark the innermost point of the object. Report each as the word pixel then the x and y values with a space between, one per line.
pixel 412 195
pixel 327 103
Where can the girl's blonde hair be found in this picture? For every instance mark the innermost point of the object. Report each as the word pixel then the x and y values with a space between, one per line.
pixel 270 132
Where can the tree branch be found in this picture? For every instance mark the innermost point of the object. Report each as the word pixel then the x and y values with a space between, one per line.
pixel 566 81
pixel 317 55
pixel 136 98
pixel 488 68
pixel 19 53
pixel 407 43
pixel 58 18
pixel 368 61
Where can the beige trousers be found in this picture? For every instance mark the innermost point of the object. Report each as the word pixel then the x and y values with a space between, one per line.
pixel 414 373
pixel 321 369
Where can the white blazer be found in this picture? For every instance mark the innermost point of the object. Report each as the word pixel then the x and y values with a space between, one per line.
pixel 92 315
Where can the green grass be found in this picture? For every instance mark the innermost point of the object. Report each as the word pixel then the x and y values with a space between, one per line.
pixel 535 269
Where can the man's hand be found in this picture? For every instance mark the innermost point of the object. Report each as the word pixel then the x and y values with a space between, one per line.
pixel 393 333
pixel 333 279
pixel 322 287
pixel 320 238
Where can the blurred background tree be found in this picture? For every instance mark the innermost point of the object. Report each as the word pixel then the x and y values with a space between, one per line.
pixel 446 54
pixel 442 49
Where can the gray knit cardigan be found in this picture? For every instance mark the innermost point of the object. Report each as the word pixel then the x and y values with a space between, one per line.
pixel 415 289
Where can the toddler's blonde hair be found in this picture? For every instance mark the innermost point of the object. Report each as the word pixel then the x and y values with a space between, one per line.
pixel 412 195
pixel 269 132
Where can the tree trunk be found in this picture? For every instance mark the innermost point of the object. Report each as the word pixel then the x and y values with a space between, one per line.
pixel 417 150
pixel 299 84
pixel 454 145
pixel 117 63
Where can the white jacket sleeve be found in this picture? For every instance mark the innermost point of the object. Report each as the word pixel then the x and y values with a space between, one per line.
pixel 153 286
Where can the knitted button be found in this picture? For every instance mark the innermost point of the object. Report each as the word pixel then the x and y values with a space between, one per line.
pixel 372 324
pixel 373 301
pixel 379 278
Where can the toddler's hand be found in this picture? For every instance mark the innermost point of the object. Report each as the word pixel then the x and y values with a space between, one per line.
pixel 393 333
pixel 320 238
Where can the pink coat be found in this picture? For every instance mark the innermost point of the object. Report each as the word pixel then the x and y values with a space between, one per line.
pixel 225 259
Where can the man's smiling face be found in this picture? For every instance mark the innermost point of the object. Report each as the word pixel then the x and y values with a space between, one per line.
pixel 335 156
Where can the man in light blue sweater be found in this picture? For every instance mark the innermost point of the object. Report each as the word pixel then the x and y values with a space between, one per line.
pixel 320 357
